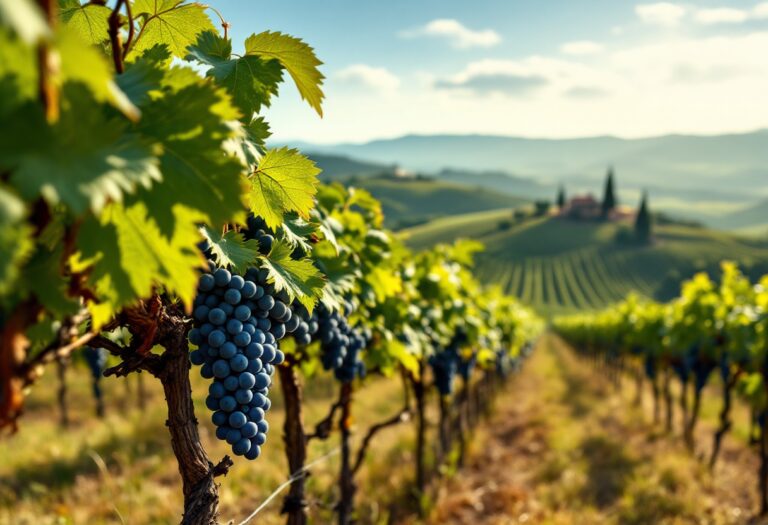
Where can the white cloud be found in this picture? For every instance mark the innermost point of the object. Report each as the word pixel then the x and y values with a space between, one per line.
pixel 661 13
pixel 582 47
pixel 542 75
pixel 459 35
pixel 760 11
pixel 670 14
pixel 670 83
pixel 370 77
pixel 721 15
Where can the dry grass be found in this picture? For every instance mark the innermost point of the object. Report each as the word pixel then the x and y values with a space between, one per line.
pixel 122 470
pixel 565 447
pixel 568 447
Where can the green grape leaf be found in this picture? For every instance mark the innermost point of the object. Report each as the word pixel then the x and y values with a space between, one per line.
pixel 341 277
pixel 15 239
pixel 90 21
pixel 232 249
pixel 86 64
pixel 463 251
pixel 298 232
pixel 258 131
pixel 383 282
pixel 241 146
pixel 25 19
pixel 336 267
pixel 42 276
pixel 250 80
pixel 41 334
pixel 128 257
pixel 284 181
pixel 331 298
pixel 144 75
pixel 83 161
pixel 18 74
pixel 178 77
pixel 249 141
pixel 297 58
pixel 326 228
pixel 390 352
pixel 191 124
pixel 169 22
pixel 299 277
pixel 210 49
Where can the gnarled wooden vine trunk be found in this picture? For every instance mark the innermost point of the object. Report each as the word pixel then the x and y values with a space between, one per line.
pixel 201 496
pixel 294 505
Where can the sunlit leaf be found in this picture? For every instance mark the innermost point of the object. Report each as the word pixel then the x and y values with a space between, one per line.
pixel 250 80
pixel 169 22
pixel 297 58
pixel 231 249
pixel 90 21
pixel 299 277
pixel 82 161
pixel 284 181
pixel 128 257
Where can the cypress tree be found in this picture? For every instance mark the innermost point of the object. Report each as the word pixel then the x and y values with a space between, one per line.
pixel 643 224
pixel 609 196
pixel 561 198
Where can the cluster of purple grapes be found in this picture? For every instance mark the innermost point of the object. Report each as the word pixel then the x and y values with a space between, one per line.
pixel 448 362
pixel 340 343
pixel 257 229
pixel 96 358
pixel 238 323
pixel 352 365
pixel 467 366
pixel 445 365
pixel 308 324
pixel 505 364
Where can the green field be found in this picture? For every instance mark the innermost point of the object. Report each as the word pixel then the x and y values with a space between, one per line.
pixel 409 201
pixel 560 265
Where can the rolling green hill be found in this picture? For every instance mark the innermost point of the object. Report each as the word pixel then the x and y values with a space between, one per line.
pixel 339 167
pixel 409 201
pixel 559 265
pixel 754 218
pixel 702 178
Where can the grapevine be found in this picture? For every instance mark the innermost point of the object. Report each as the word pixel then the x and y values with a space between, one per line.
pixel 143 215
pixel 710 329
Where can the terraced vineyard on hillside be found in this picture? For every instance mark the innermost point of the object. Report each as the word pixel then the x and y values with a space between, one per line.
pixel 560 265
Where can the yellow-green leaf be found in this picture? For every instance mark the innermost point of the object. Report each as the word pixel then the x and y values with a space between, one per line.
pixel 90 21
pixel 231 249
pixel 15 239
pixel 169 22
pixel 297 58
pixel 284 181
pixel 299 277
pixel 129 257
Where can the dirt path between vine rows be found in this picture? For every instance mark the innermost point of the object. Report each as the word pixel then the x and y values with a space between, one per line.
pixel 567 447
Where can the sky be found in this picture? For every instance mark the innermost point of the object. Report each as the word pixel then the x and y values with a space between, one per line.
pixel 554 68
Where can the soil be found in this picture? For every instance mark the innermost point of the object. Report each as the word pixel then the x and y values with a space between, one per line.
pixel 568 446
